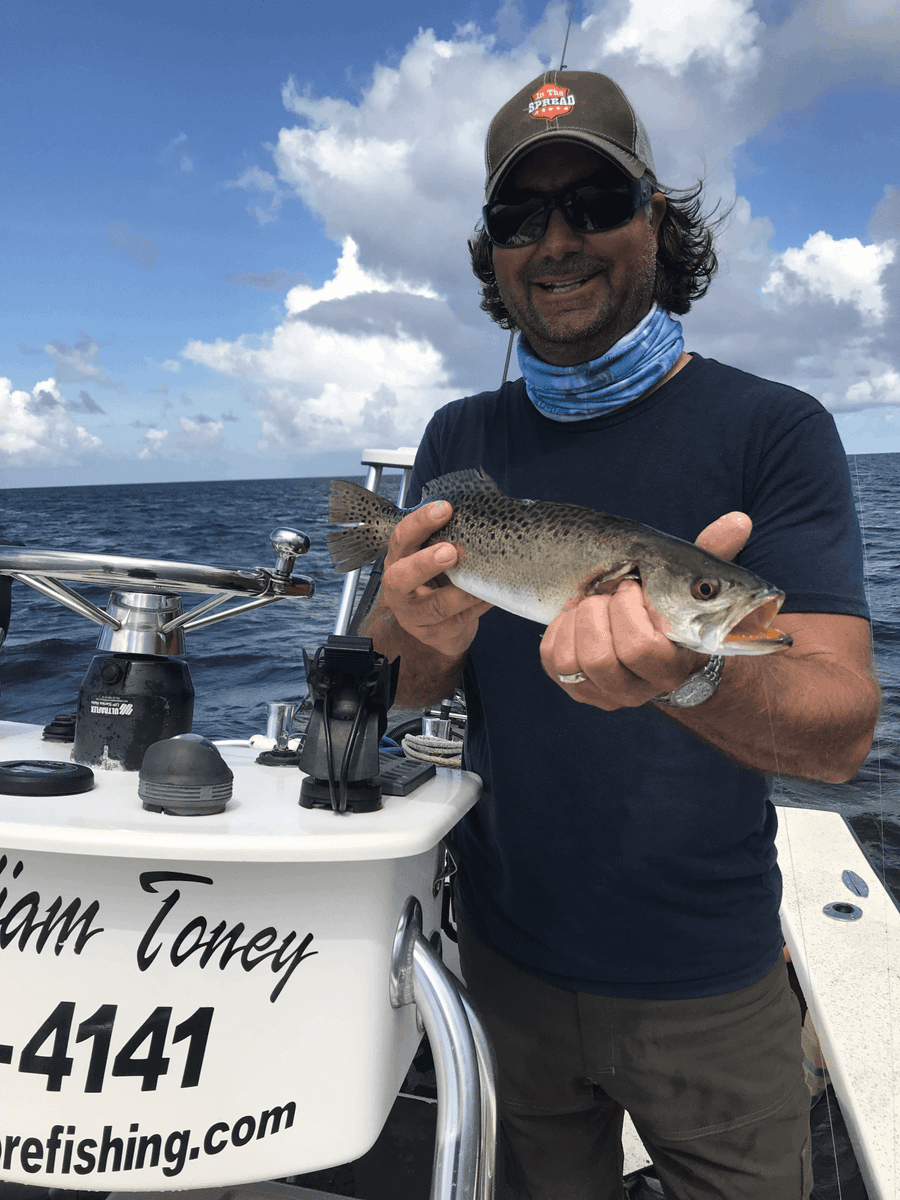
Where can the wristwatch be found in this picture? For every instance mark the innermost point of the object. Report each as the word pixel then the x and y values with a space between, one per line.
pixel 697 687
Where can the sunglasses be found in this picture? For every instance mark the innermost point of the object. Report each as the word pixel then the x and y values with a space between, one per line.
pixel 589 207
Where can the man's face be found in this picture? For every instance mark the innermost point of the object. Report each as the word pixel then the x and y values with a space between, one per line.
pixel 574 294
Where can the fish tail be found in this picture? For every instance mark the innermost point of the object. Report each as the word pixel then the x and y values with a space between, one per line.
pixel 373 518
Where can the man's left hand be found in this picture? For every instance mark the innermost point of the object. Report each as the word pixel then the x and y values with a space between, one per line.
pixel 618 640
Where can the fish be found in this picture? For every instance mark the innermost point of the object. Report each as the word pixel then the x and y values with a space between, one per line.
pixel 531 557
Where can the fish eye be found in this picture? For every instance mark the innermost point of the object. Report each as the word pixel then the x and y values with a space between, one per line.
pixel 705 589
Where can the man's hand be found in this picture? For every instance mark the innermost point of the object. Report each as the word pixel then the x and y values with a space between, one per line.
pixel 618 641
pixel 440 616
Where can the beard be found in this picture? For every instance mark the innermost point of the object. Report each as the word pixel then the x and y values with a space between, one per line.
pixel 597 329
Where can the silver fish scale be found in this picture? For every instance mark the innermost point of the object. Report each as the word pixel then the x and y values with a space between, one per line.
pixel 555 550
pixel 479 503
pixel 530 558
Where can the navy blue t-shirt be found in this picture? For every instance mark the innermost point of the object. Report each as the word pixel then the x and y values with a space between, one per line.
pixel 614 852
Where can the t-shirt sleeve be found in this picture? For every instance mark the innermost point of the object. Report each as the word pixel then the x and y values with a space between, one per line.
pixel 806 537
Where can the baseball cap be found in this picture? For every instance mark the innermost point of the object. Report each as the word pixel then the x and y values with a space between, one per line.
pixel 572 106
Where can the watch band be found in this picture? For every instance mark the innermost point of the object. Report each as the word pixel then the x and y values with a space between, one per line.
pixel 697 687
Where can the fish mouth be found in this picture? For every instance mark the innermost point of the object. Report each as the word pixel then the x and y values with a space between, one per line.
pixel 753 633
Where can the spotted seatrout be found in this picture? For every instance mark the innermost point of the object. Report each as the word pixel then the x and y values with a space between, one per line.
pixel 531 556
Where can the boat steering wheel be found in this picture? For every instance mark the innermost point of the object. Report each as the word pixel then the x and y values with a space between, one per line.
pixel 44 569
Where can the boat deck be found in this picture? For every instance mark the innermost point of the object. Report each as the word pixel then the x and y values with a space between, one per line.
pixel 849 972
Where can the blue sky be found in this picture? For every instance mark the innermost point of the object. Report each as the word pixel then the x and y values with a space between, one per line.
pixel 233 234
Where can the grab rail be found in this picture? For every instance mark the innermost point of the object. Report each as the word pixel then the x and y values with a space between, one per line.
pixel 465 1145
pixel 376 461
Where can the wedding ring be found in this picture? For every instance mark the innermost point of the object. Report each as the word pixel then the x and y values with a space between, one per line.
pixel 578 677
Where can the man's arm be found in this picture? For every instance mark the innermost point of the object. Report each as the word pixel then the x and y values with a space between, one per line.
pixel 809 711
pixel 431 627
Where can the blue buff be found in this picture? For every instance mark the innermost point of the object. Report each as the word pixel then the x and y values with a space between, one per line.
pixel 637 361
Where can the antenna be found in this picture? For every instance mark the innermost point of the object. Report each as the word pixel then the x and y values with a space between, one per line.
pixel 562 57
pixel 512 334
pixel 562 66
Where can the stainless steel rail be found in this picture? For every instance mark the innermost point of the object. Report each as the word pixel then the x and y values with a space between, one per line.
pixel 376 461
pixel 487 1074
pixel 464 1151
pixel 112 570
pixel 65 596
pixel 44 569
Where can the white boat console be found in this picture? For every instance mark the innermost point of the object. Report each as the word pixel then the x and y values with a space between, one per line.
pixel 189 1002
pixel 206 984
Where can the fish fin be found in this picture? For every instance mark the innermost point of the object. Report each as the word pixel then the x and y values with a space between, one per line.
pixel 352 504
pixel 374 519
pixel 608 582
pixel 473 479
pixel 353 548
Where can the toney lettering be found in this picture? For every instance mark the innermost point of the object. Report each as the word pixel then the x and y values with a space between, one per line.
pixel 198 937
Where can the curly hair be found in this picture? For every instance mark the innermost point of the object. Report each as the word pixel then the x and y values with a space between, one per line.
pixel 685 261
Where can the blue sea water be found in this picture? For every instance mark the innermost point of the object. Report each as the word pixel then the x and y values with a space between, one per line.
pixel 240 664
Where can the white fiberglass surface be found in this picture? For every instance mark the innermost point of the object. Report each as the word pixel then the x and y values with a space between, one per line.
pixel 262 822
pixel 849 971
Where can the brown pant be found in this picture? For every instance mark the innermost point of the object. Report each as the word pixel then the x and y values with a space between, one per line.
pixel 714 1087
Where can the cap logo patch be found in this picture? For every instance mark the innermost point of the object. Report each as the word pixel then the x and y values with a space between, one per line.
pixel 551 101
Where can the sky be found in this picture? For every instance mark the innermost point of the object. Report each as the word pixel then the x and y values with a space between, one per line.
pixel 233 234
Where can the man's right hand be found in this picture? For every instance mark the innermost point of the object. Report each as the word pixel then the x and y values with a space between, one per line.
pixel 439 615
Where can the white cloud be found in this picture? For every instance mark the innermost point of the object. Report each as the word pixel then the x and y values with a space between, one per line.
pixel 152 442
pixel 79 362
pixel 85 403
pixel 842 270
pixel 36 430
pixel 843 25
pixel 177 153
pixel 172 365
pixel 820 46
pixel 254 179
pixel 880 389
pixel 333 374
pixel 803 336
pixel 350 279
pixel 672 35
pixel 202 431
pixel 849 377
pixel 401 172
pixel 885 219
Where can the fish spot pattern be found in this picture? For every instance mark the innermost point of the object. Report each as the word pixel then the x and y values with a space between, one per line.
pixel 531 557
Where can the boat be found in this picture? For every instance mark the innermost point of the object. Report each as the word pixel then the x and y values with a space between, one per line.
pixel 198 957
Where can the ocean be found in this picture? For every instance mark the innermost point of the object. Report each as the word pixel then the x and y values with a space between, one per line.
pixel 240 664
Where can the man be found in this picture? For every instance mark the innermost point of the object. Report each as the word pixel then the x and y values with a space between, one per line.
pixel 618 891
